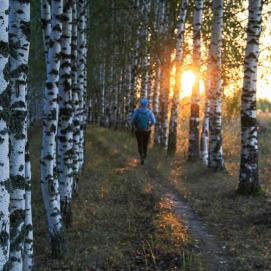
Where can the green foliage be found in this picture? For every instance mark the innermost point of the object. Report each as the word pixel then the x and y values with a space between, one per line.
pixel 231 105
pixel 36 78
pixel 264 105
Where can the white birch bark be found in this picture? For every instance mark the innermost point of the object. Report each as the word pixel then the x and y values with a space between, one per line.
pixel 249 178
pixel 19 39
pixel 216 160
pixel 4 138
pixel 49 181
pixel 145 82
pixel 75 97
pixel 204 140
pixel 46 26
pixel 156 94
pixel 134 75
pixel 81 65
pixel 173 125
pixel 161 130
pixel 65 123
pixel 163 117
pixel 28 244
pixel 102 93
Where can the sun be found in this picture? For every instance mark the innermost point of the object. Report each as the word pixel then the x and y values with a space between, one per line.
pixel 187 82
pixel 188 79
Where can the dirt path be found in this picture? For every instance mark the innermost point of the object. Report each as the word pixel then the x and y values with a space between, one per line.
pixel 211 248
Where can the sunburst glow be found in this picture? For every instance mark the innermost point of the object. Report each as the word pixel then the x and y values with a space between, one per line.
pixel 187 82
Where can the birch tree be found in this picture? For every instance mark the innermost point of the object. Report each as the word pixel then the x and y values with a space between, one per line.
pixel 193 152
pixel 19 38
pixel 81 66
pixel 28 244
pixel 49 181
pixel 75 96
pixel 216 160
pixel 173 125
pixel 4 137
pixel 65 124
pixel 145 82
pixel 156 94
pixel 134 75
pixel 248 178
pixel 164 76
pixel 204 139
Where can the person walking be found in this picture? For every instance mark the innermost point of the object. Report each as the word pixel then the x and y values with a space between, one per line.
pixel 142 121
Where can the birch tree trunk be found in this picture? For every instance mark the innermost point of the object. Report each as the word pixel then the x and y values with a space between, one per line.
pixel 216 160
pixel 102 93
pixel 75 97
pixel 193 151
pixel 204 140
pixel 65 124
pixel 164 76
pixel 156 94
pixel 134 75
pixel 19 39
pixel 145 82
pixel 28 244
pixel 164 99
pixel 4 137
pixel 46 26
pixel 81 65
pixel 248 178
pixel 49 181
pixel 172 140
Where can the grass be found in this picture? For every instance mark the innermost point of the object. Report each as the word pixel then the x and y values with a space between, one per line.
pixel 120 220
pixel 243 224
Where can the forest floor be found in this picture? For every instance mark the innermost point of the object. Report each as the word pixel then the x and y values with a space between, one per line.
pixel 121 218
pixel 166 215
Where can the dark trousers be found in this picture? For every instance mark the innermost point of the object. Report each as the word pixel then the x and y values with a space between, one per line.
pixel 142 142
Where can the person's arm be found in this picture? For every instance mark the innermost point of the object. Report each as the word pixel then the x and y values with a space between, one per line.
pixel 133 118
pixel 152 118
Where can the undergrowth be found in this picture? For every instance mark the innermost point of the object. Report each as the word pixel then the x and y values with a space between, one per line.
pixel 119 219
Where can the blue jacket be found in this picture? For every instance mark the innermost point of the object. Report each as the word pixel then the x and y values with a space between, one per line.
pixel 151 116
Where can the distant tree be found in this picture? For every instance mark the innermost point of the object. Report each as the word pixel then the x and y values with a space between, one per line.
pixel 264 105
pixel 193 152
pixel 173 123
pixel 166 66
pixel 216 160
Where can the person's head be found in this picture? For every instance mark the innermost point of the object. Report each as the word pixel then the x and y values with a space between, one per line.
pixel 144 103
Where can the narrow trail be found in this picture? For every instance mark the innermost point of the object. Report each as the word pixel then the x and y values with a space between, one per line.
pixel 210 247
